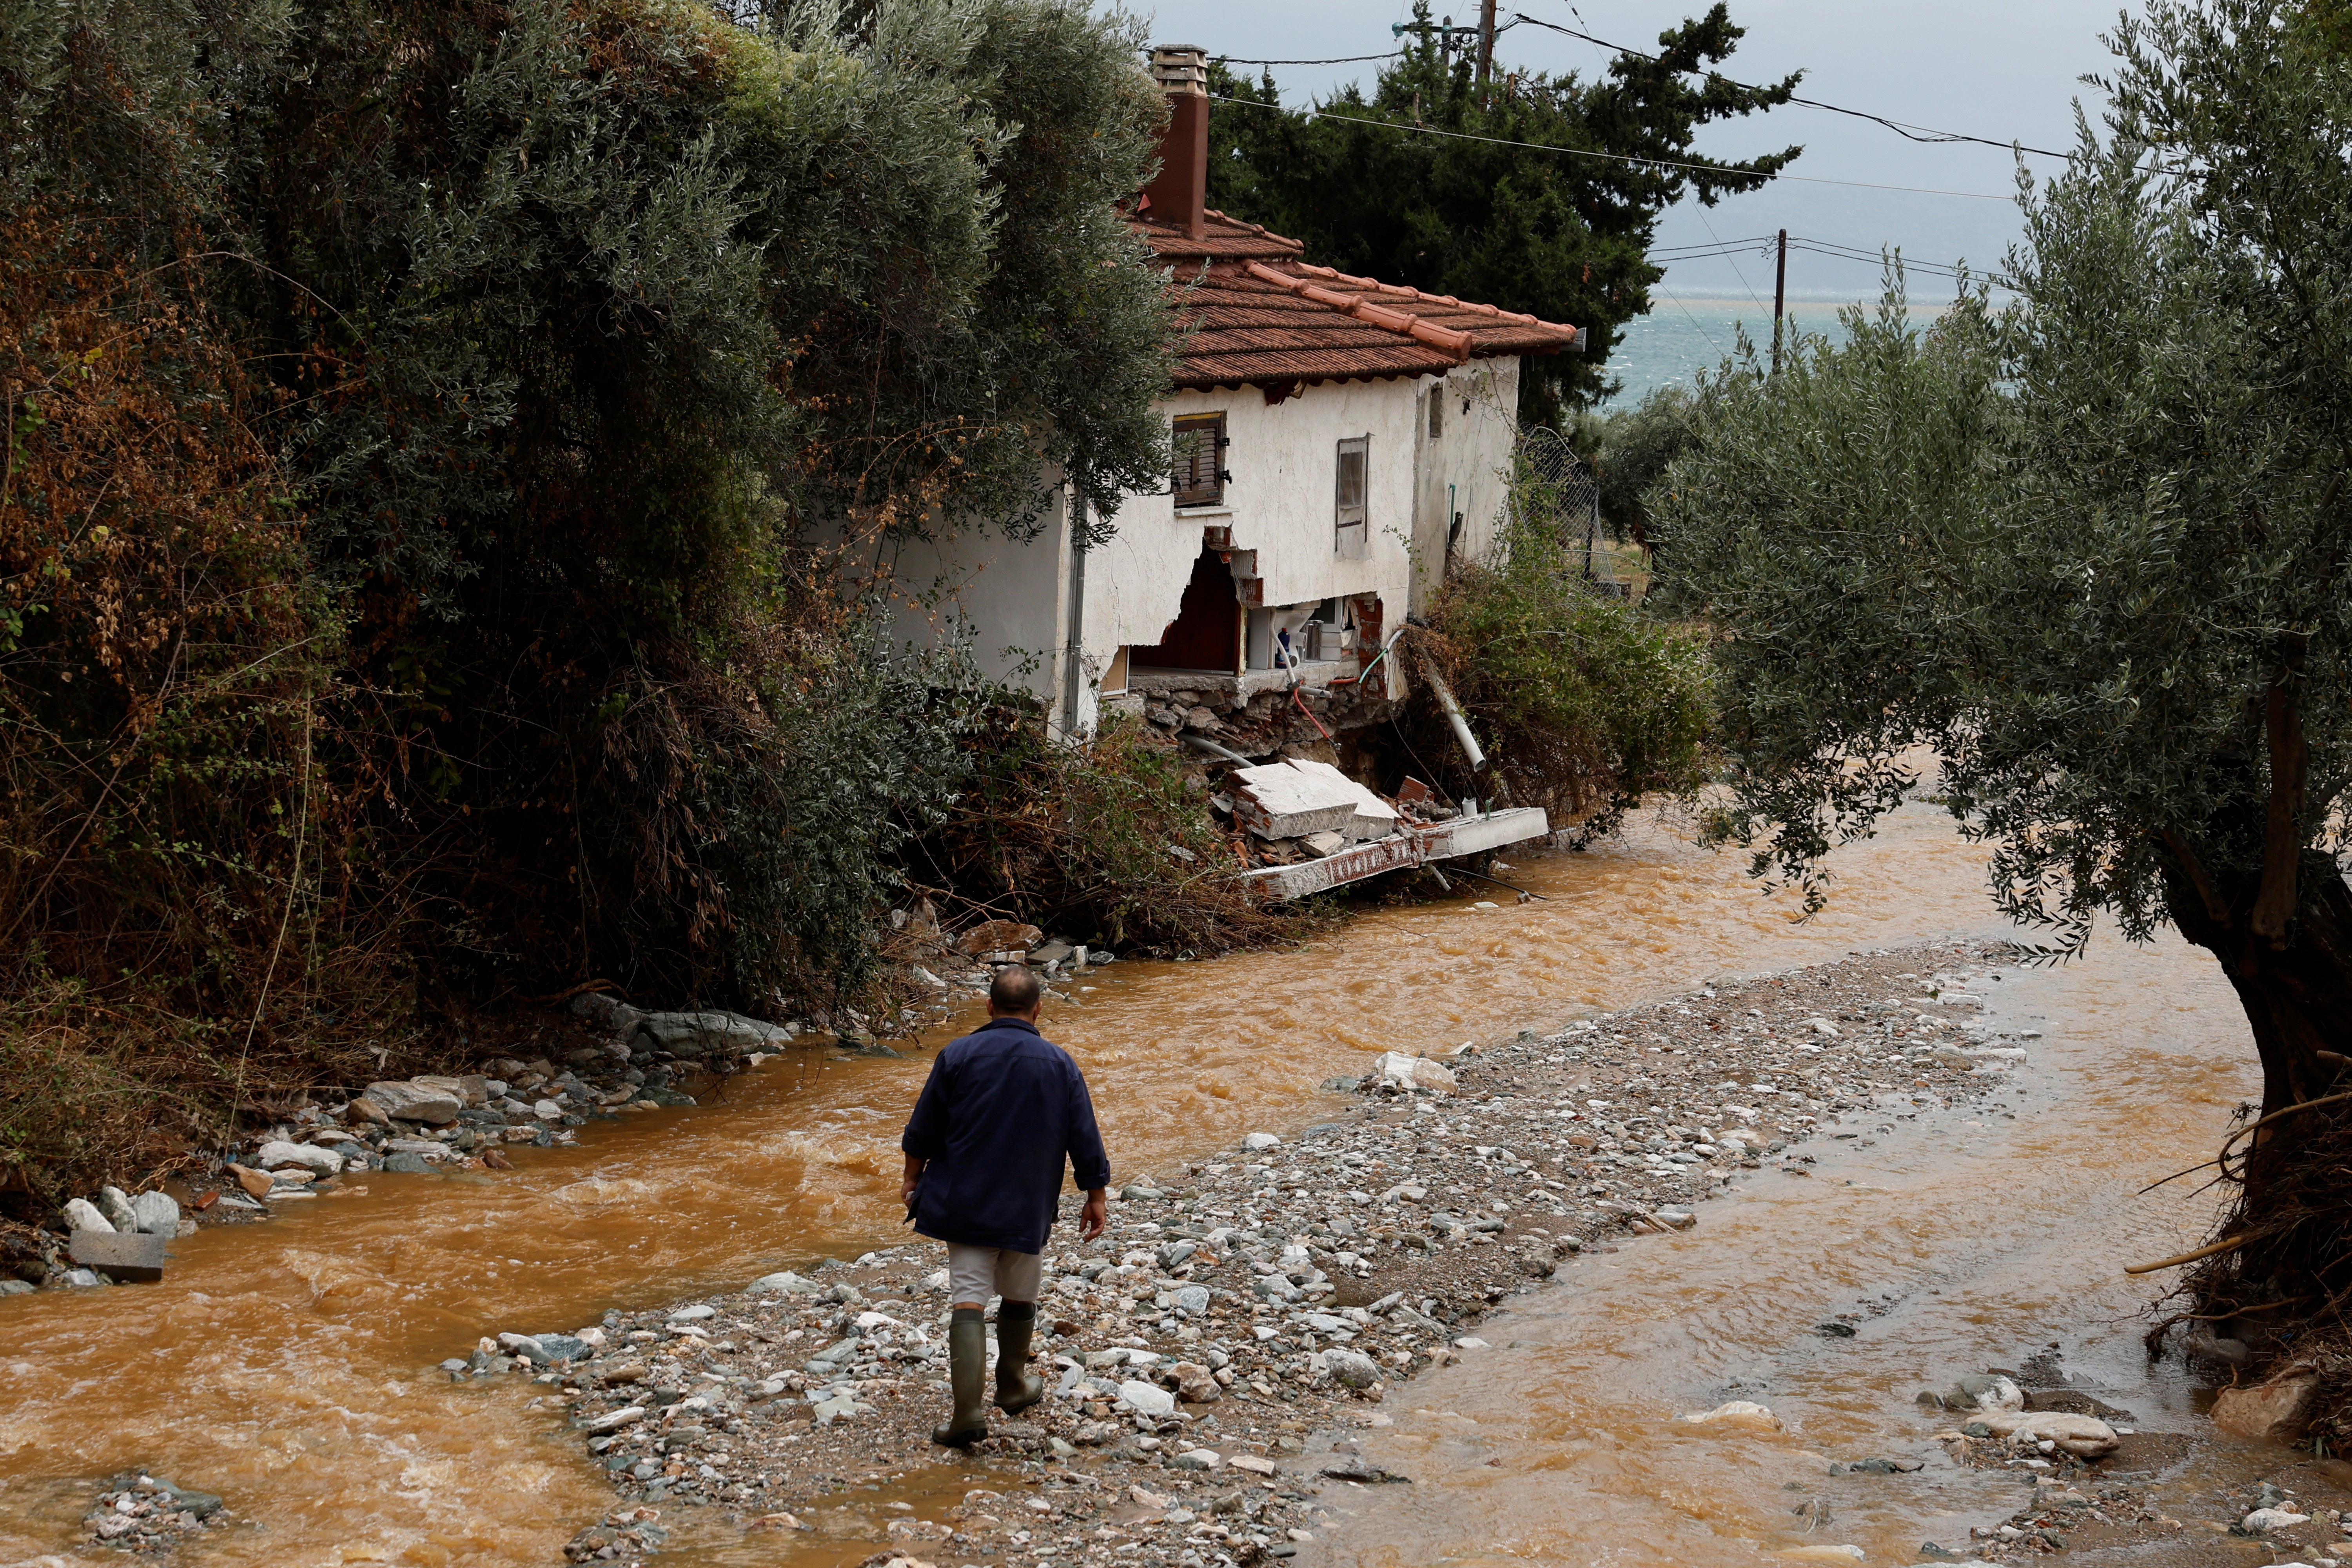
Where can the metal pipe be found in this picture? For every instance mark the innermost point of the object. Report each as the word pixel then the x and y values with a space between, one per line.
pixel 1202 743
pixel 1453 714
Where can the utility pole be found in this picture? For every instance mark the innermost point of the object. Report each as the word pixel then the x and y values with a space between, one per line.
pixel 1780 297
pixel 1486 40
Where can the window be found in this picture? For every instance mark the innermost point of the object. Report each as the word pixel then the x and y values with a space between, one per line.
pixel 1349 525
pixel 1201 474
pixel 1437 412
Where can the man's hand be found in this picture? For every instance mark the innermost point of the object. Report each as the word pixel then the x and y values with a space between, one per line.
pixel 1096 1215
pixel 908 1181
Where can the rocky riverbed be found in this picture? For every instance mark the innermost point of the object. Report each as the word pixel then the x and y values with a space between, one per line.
pixel 1213 1356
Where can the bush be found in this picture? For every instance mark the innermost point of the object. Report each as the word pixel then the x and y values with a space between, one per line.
pixel 1104 840
pixel 1583 701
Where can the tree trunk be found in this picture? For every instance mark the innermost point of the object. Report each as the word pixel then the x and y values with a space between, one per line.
pixel 2295 1171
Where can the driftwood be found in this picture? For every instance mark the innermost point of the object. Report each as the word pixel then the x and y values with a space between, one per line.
pixel 2228 1244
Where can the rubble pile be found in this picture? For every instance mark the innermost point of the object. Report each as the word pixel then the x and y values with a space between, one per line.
pixel 1268 721
pixel 144 1514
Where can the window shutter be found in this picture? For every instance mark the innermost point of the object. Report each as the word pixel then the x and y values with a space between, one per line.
pixel 1349 527
pixel 1200 459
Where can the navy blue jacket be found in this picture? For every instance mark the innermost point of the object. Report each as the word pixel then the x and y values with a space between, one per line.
pixel 1003 1107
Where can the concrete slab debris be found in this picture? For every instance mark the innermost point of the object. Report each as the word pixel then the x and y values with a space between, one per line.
pixel 123 1255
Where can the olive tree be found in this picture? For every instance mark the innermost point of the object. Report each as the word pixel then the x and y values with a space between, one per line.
pixel 2089 550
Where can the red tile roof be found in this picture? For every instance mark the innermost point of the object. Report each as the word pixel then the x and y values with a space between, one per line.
pixel 1251 314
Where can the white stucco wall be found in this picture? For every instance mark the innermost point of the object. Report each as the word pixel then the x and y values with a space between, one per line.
pixel 1280 504
pixel 1461 469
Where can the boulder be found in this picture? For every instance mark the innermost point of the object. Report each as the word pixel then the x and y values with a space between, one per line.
pixel 257 1184
pixel 157 1213
pixel 1739 1413
pixel 2084 1436
pixel 1351 1369
pixel 413 1101
pixel 1196 1385
pixel 82 1215
pixel 2273 1412
pixel 1397 1070
pixel 710 1033
pixel 1983 1391
pixel 309 1156
pixel 1150 1401
pixel 125 1256
pixel 115 1204
pixel 1259 1143
pixel 2263 1521
pixel 999 936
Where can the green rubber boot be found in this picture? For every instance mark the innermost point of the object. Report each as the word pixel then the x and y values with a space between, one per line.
pixel 968 1376
pixel 1017 1388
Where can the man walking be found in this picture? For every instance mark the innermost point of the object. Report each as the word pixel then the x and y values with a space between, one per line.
pixel 1004 1107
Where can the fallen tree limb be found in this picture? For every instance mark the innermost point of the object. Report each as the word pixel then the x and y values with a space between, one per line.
pixel 2226 1245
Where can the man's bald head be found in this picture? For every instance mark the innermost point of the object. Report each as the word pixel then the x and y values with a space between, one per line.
pixel 1015 992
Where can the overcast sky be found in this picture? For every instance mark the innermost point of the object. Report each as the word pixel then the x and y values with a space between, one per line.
pixel 2001 68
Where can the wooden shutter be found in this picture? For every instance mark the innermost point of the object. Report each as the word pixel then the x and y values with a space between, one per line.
pixel 1200 459
pixel 1349 527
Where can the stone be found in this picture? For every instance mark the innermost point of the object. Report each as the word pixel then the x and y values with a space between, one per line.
pixel 1679 1219
pixel 407 1100
pixel 1322 844
pixel 1197 1459
pixel 548 1111
pixel 257 1184
pixel 1397 1070
pixel 1742 1414
pixel 124 1256
pixel 1824 1027
pixel 613 1420
pixel 1258 1143
pixel 82 1215
pixel 1253 1464
pixel 1351 1369
pixel 2273 1412
pixel 1144 1397
pixel 712 1032
pixel 404 1163
pixel 693 1314
pixel 2084 1436
pixel 115 1204
pixel 999 936
pixel 14 1287
pixel 786 1283
pixel 363 1108
pixel 1195 1384
pixel 1192 1300
pixel 157 1213
pixel 2263 1521
pixel 309 1156
pixel 1983 1391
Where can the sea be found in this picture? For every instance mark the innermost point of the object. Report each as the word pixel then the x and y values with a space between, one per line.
pixel 1681 337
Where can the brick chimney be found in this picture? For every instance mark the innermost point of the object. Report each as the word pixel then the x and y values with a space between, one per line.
pixel 1178 193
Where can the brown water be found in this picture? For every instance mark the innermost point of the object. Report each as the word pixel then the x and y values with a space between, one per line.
pixel 284 1365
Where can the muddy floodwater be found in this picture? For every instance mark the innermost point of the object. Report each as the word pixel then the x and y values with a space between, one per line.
pixel 286 1365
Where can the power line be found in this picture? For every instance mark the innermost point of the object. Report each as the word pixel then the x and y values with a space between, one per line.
pixel 1342 60
pixel 1719 170
pixel 1910 131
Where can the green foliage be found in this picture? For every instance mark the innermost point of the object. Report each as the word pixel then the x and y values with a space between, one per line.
pixel 1102 841
pixel 2090 551
pixel 1561 236
pixel 1629 450
pixel 1584 701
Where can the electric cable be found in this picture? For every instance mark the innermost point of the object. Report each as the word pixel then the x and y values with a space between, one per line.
pixel 1721 170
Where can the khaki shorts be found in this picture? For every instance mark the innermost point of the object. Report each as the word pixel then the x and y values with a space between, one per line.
pixel 977 1273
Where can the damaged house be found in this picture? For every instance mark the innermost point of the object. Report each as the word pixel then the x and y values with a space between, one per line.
pixel 1334 442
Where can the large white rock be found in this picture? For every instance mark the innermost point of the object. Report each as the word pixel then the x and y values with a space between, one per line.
pixel 1150 1401
pixel 1742 1414
pixel 157 1213
pixel 309 1156
pixel 82 1214
pixel 2084 1436
pixel 115 1204
pixel 1399 1071
pixel 407 1100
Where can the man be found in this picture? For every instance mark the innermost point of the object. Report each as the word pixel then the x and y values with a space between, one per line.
pixel 1004 1107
